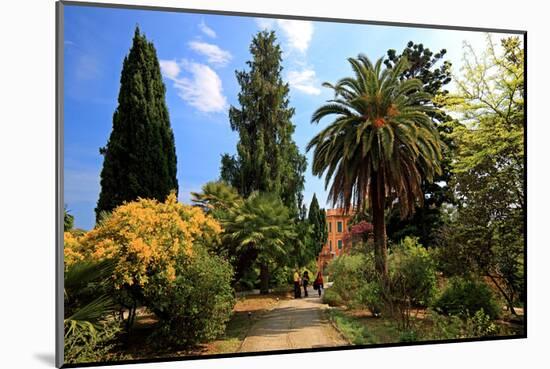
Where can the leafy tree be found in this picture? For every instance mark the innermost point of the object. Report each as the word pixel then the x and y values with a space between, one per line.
pixel 435 74
pixel 489 168
pixel 267 159
pixel 262 225
pixel 317 219
pixel 140 156
pixel 380 146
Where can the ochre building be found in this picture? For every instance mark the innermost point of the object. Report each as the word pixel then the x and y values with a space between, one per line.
pixel 337 225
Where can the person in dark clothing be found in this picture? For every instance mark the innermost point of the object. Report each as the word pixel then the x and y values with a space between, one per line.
pixel 297 292
pixel 318 283
pixel 305 282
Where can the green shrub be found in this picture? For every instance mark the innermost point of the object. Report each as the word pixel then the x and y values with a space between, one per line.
pixel 443 327
pixel 351 275
pixel 197 305
pixel 370 296
pixel 281 277
pixel 408 335
pixel 456 327
pixel 84 345
pixel 332 298
pixel 481 325
pixel 411 281
pixel 466 296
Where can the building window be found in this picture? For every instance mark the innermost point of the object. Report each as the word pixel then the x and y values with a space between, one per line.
pixel 339 244
pixel 340 227
pixel 330 245
pixel 329 227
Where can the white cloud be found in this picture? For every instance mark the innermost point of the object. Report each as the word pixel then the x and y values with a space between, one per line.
pixel 169 68
pixel 207 30
pixel 265 23
pixel 298 33
pixel 303 81
pixel 202 89
pixel 213 53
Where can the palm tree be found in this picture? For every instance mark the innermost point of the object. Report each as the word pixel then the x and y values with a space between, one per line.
pixel 379 147
pixel 262 224
pixel 217 198
pixel 87 309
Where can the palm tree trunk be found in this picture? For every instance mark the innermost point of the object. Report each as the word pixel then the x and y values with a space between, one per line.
pixel 379 224
pixel 264 278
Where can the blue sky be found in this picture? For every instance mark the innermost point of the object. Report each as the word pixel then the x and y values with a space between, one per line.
pixel 199 54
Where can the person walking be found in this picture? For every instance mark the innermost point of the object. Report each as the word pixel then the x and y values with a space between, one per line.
pixel 297 292
pixel 305 282
pixel 318 283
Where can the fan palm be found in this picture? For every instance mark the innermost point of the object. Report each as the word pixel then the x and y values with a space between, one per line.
pixel 379 147
pixel 84 309
pixel 217 196
pixel 261 223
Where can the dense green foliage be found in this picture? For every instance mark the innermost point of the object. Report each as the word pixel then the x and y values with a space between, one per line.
pixel 197 305
pixel 452 327
pixel 466 296
pixel 267 159
pixel 262 226
pixel 140 156
pixel 332 298
pixel 350 274
pixel 380 146
pixel 259 235
pixel 428 217
pixel 487 237
pixel 90 329
pixel 317 219
pixel 411 282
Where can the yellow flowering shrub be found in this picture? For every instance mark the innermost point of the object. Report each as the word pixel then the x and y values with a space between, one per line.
pixel 72 248
pixel 147 237
pixel 162 261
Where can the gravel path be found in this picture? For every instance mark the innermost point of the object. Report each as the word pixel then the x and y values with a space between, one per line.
pixel 293 324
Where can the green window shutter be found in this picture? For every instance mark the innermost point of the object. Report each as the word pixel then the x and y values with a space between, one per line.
pixel 339 244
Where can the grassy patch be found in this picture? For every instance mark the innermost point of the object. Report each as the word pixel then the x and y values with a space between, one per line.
pixel 235 332
pixel 364 329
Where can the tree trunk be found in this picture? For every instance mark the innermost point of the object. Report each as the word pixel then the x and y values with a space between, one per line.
pixel 264 278
pixel 509 300
pixel 378 194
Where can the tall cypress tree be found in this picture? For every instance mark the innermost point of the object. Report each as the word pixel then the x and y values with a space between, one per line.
pixel 140 156
pixel 267 160
pixel 317 218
